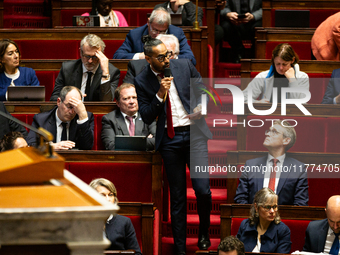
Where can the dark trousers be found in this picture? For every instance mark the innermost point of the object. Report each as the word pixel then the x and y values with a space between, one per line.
pixel 235 34
pixel 177 153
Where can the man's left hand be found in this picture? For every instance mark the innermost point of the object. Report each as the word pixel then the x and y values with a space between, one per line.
pixel 248 18
pixel 103 61
pixel 78 107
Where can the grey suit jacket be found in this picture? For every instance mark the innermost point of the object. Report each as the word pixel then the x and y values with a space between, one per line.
pixel 71 73
pixel 114 124
pixel 316 234
pixel 188 13
pixel 255 7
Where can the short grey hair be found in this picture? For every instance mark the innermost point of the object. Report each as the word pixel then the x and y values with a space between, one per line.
pixel 94 41
pixel 170 38
pixel 288 133
pixel 160 16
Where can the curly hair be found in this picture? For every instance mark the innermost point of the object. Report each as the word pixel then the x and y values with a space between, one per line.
pixel 231 243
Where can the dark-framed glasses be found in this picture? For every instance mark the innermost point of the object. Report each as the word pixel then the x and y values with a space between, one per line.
pixel 161 58
pixel 88 57
pixel 269 207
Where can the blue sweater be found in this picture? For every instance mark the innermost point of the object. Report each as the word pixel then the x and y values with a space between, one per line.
pixel 27 78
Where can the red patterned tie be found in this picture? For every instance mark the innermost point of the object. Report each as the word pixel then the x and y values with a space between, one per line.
pixel 131 126
pixel 273 175
pixel 170 126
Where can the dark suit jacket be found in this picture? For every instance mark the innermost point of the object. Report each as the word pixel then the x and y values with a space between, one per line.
pixel 275 240
pixel 134 68
pixel 188 13
pixel 150 108
pixel 82 134
pixel 114 124
pixel 133 43
pixel 120 231
pixel 333 88
pixel 7 125
pixel 316 234
pixel 292 188
pixel 71 73
pixel 255 7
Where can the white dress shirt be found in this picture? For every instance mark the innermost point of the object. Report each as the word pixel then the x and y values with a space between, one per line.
pixel 269 168
pixel 329 241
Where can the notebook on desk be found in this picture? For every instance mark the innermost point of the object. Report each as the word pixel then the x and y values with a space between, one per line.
pixel 130 143
pixel 26 93
pixel 86 21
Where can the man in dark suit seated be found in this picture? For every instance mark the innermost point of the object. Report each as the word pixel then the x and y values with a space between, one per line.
pixel 184 7
pixel 323 235
pixel 181 138
pixel 126 120
pixel 69 122
pixel 137 66
pixel 92 74
pixel 158 23
pixel 332 94
pixel 286 176
pixel 7 125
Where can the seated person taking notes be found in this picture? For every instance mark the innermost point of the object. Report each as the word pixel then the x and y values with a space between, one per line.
pixel 92 74
pixel 69 122
pixel 290 186
pixel 126 120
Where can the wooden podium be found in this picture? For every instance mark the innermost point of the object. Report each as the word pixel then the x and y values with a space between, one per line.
pixel 43 205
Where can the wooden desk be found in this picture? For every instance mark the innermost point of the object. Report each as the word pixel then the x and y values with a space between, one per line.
pixel 198 38
pixel 264 35
pixel 268 5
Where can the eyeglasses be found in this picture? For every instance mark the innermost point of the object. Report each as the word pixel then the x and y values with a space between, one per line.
pixel 267 208
pixel 161 58
pixel 69 107
pixel 272 132
pixel 157 32
pixel 89 57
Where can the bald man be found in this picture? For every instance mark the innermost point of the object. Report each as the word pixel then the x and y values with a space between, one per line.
pixel 321 234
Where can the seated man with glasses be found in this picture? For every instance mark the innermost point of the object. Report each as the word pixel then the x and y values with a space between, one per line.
pixel 286 176
pixel 158 23
pixel 137 66
pixel 92 74
pixel 69 122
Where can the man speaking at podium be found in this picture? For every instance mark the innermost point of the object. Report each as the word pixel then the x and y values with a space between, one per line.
pixel 69 122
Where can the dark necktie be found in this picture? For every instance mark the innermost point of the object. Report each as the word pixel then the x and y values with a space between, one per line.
pixel 131 126
pixel 88 86
pixel 271 184
pixel 64 133
pixel 335 246
pixel 170 126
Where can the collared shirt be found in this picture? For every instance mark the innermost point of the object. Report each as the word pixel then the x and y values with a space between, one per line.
pixel 127 122
pixel 269 168
pixel 84 78
pixel 329 240
pixel 177 109
pixel 60 127
pixel 179 10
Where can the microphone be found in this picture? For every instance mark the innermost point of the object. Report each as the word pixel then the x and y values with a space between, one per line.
pixel 167 73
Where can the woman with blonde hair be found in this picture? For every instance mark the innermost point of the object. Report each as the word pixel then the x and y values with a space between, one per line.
pixel 263 231
pixel 118 229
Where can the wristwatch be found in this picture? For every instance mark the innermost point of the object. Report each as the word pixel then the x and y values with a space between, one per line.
pixel 107 77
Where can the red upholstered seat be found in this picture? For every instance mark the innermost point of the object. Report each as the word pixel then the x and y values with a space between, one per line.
pixel 49 49
pixel 129 178
pixel 137 224
pixel 98 130
pixel 297 233
pixel 47 79
pixel 329 187
pixel 235 225
pixel 111 47
pixel 332 135
pixel 307 127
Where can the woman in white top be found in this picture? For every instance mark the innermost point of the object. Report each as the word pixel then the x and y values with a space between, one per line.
pixel 284 72
pixel 263 231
